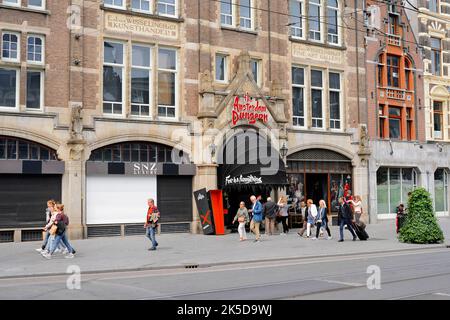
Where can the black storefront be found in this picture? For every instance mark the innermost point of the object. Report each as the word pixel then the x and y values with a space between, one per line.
pixel 248 165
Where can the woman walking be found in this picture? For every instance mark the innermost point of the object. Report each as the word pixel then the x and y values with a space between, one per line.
pixel 357 208
pixel 283 214
pixel 243 218
pixel 322 220
pixel 312 214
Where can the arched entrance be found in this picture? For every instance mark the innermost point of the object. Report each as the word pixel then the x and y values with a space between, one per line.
pixel 122 176
pixel 319 174
pixel 248 165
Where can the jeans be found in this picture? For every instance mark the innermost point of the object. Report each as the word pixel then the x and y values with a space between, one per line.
pixel 57 241
pixel 349 226
pixel 44 244
pixel 241 230
pixel 254 227
pixel 151 234
pixel 270 226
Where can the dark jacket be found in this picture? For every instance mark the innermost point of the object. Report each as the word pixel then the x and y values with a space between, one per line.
pixel 270 209
pixel 345 213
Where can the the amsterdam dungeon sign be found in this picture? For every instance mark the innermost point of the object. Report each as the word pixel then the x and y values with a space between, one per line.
pixel 248 110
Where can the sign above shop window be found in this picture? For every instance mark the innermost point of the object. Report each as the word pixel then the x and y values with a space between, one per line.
pixel 145 169
pixel 250 179
pixel 248 109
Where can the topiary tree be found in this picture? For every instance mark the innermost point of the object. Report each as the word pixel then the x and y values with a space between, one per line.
pixel 421 225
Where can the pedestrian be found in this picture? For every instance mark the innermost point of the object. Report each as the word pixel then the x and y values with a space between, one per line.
pixel 243 218
pixel 152 222
pixel 345 218
pixel 283 214
pixel 270 209
pixel 400 218
pixel 256 210
pixel 322 220
pixel 312 214
pixel 48 215
pixel 304 213
pixel 58 227
pixel 357 208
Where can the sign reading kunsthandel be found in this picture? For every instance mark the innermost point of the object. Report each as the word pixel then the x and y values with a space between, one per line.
pixel 140 25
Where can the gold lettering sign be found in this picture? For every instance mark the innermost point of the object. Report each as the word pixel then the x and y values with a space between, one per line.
pixel 317 53
pixel 140 25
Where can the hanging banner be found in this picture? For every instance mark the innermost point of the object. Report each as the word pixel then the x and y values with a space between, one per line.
pixel 204 211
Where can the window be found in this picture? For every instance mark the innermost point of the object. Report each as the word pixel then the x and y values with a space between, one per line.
pixel 436 56
pixel 245 14
pixel 9 88
pixel 167 82
pixel 409 124
pixel 441 190
pixel 35 90
pixel 393 186
pixel 167 7
pixel 141 5
pixel 255 66
pixel 12 2
pixel 226 12
pixel 408 76
pixel 395 123
pixel 113 76
pixel 36 4
pixel 298 96
pixel 221 68
pixel 333 14
pixel 316 99
pixel 335 100
pixel 115 3
pixel 296 20
pixel 140 80
pixel 35 49
pixel 393 24
pixel 15 149
pixel 314 20
pixel 438 118
pixel 433 5
pixel 382 117
pixel 10 46
pixel 393 71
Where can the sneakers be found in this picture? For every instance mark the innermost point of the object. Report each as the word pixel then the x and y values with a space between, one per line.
pixel 39 250
pixel 70 256
pixel 329 238
pixel 354 238
pixel 65 251
pixel 46 255
pixel 44 252
pixel 152 249
pixel 257 240
pixel 313 238
pixel 282 234
pixel 341 240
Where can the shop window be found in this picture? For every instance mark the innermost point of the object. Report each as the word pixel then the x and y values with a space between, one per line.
pixel 35 49
pixel 441 190
pixel 335 100
pixel 167 82
pixel 296 9
pixel 436 57
pixel 18 149
pixel 298 96
pixel 438 118
pixel 333 16
pixel 221 68
pixel 141 80
pixel 296 191
pixel 316 99
pixel 113 74
pixel 11 46
pixel 393 63
pixel 314 21
pixel 35 91
pixel 393 187
pixel 9 88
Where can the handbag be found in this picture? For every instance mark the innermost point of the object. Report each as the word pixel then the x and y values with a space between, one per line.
pixel 53 229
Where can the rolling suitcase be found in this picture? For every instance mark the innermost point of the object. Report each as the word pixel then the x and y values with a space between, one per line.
pixel 360 232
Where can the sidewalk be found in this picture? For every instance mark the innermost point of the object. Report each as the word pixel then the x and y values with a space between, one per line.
pixel 180 250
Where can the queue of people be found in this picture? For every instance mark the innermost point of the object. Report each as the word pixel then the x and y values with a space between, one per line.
pixel 313 216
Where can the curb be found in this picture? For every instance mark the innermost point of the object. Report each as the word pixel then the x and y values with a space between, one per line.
pixel 218 264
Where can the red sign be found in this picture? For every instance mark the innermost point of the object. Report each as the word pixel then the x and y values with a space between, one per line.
pixel 250 110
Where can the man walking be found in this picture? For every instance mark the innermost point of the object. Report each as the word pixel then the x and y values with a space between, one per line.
pixel 345 218
pixel 270 213
pixel 256 210
pixel 151 223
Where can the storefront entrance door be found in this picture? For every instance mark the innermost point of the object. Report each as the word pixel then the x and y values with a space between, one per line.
pixel 317 187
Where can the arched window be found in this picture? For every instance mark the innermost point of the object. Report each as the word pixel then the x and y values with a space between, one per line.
pixel 139 151
pixel 19 149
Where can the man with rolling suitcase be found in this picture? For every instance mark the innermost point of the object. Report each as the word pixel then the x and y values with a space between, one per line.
pixel 345 217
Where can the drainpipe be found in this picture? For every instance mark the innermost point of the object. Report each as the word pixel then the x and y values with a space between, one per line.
pixel 270 41
pixel 357 58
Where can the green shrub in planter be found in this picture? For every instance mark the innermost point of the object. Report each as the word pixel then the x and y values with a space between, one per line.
pixel 421 225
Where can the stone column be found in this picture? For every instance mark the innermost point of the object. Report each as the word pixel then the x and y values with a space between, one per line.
pixel 72 197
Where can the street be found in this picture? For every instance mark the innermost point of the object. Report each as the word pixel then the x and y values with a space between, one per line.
pixel 416 274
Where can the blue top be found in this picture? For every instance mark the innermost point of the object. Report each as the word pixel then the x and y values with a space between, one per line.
pixel 257 212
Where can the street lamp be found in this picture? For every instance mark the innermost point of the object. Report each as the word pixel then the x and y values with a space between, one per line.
pixel 283 150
